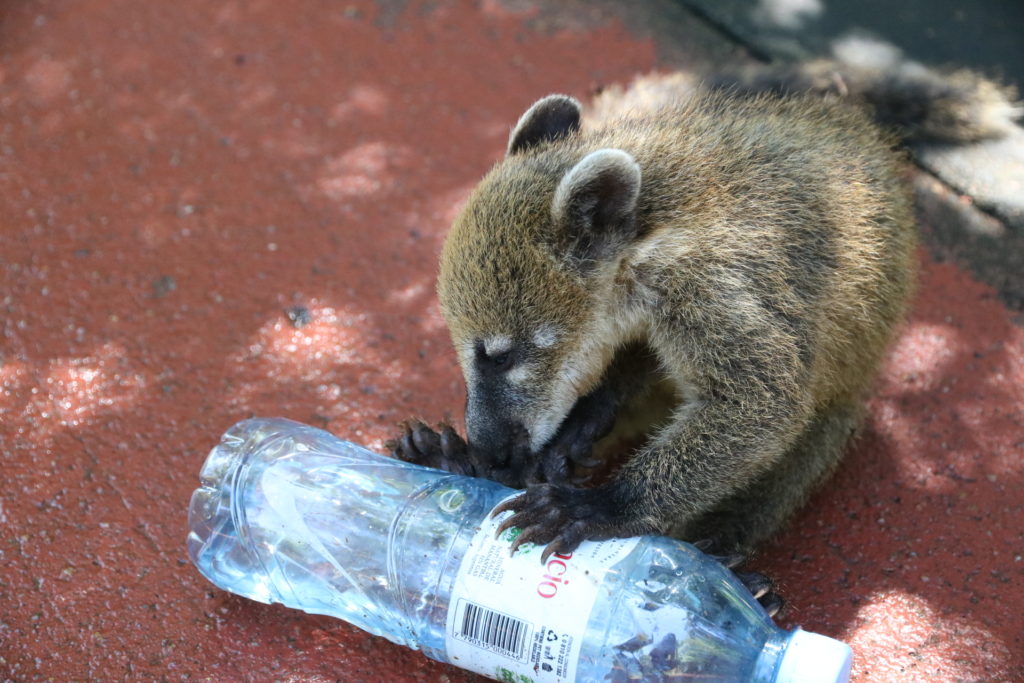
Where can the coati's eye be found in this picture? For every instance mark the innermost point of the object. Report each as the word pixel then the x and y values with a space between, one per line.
pixel 499 360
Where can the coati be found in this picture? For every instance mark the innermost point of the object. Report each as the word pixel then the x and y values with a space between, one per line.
pixel 726 266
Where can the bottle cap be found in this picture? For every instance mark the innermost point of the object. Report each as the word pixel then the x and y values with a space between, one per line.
pixel 814 658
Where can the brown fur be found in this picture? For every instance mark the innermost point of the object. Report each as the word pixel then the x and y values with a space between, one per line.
pixel 715 273
pixel 771 259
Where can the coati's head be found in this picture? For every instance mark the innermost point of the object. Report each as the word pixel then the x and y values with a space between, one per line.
pixel 526 273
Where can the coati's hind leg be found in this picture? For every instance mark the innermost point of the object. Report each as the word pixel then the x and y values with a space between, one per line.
pixel 752 515
pixel 760 585
pixel 758 511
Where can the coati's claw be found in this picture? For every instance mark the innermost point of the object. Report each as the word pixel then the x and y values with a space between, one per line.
pixel 758 584
pixel 773 604
pixel 560 517
pixel 443 449
pixel 763 589
pixel 710 547
pixel 730 561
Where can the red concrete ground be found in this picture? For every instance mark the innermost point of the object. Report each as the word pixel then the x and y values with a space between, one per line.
pixel 173 176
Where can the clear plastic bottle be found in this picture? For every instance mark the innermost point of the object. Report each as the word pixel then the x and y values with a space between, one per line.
pixel 291 514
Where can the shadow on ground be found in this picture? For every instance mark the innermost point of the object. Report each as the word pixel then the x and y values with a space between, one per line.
pixel 922 520
pixel 177 176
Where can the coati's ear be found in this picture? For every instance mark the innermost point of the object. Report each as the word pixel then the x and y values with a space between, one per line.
pixel 548 118
pixel 595 204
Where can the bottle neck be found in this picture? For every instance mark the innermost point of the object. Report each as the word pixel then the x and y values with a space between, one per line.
pixel 767 665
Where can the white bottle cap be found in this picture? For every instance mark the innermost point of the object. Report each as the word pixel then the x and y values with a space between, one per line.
pixel 814 658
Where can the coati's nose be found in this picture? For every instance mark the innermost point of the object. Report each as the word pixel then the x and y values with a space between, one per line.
pixel 500 440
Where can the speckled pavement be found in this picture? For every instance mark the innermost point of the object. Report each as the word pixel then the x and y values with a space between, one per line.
pixel 177 178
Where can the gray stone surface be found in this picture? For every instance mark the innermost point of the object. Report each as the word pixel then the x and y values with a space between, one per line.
pixel 974 182
pixel 954 229
pixel 992 173
pixel 982 34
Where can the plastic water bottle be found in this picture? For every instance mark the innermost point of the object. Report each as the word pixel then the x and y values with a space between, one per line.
pixel 291 514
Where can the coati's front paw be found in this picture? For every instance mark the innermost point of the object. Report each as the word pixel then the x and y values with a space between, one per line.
pixel 590 419
pixel 561 517
pixel 443 449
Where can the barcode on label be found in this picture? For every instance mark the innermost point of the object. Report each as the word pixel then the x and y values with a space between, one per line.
pixel 492 630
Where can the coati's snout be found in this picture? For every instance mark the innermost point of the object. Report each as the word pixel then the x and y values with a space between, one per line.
pixel 491 422
pixel 509 399
pixel 491 432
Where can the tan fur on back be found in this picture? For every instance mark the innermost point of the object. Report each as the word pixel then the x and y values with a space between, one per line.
pixel 774 259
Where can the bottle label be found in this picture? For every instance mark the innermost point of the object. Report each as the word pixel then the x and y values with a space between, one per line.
pixel 514 619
